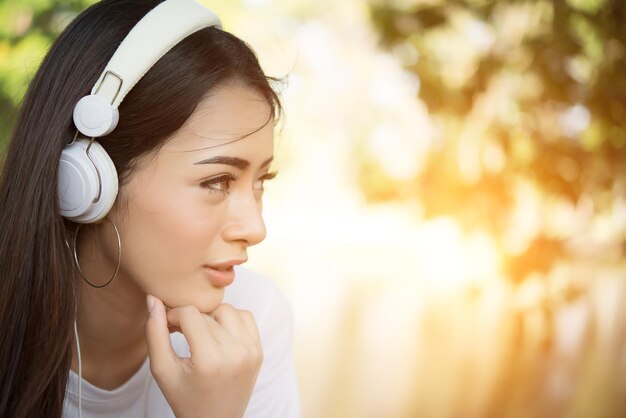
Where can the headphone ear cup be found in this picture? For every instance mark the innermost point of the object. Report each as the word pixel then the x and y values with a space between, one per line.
pixel 80 179
pixel 94 116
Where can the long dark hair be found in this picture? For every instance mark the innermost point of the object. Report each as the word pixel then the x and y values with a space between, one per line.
pixel 38 285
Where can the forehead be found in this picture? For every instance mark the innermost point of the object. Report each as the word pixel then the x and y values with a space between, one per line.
pixel 232 117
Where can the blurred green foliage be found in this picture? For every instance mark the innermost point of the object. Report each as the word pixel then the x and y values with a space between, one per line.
pixel 27 29
pixel 522 91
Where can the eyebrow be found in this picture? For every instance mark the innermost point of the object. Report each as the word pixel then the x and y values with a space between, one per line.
pixel 236 162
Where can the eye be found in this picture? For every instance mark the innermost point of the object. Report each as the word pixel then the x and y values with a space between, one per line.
pixel 266 177
pixel 219 184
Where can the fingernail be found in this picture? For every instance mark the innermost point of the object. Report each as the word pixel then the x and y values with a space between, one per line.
pixel 150 302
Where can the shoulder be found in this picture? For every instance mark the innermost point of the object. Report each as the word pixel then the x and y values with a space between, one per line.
pixel 257 293
pixel 272 311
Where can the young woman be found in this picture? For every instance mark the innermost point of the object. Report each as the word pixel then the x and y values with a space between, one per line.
pixel 139 307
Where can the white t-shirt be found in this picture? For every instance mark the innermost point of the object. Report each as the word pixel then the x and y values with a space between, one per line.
pixel 275 393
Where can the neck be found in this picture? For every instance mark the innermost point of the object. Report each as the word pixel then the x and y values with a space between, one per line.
pixel 110 324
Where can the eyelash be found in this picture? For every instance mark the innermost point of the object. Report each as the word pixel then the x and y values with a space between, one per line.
pixel 227 178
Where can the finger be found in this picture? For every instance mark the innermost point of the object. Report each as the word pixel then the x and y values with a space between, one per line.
pixel 230 320
pixel 251 326
pixel 162 355
pixel 193 326
pixel 218 331
pixel 173 328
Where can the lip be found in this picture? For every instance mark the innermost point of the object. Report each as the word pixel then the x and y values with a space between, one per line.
pixel 223 277
pixel 226 264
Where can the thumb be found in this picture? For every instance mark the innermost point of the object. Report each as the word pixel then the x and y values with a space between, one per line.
pixel 162 356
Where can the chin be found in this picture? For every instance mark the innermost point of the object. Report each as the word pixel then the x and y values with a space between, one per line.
pixel 207 306
pixel 198 293
pixel 205 300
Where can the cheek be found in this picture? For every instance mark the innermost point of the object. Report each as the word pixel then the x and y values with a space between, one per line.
pixel 167 240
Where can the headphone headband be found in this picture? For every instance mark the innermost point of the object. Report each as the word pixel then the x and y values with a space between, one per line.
pixel 151 38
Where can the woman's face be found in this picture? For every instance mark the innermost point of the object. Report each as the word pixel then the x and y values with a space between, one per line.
pixel 198 201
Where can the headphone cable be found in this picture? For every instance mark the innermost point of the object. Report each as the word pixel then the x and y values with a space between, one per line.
pixel 80 374
pixel 80 381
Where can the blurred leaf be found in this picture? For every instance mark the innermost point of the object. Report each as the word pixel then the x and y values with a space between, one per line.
pixel 549 87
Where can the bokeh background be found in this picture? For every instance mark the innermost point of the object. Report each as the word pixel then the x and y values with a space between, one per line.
pixel 450 214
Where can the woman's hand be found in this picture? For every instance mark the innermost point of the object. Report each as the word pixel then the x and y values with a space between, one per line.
pixel 226 356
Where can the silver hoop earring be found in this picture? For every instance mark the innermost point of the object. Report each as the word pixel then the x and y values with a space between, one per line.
pixel 119 256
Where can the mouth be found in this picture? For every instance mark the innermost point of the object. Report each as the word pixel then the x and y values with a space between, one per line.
pixel 229 268
pixel 226 265
pixel 220 278
pixel 222 274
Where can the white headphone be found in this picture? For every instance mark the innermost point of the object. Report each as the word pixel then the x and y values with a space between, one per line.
pixel 87 179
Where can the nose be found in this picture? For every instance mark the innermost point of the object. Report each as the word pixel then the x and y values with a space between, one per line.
pixel 245 220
